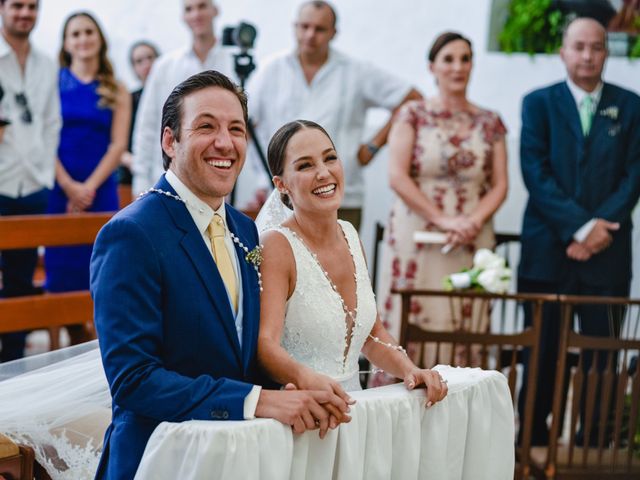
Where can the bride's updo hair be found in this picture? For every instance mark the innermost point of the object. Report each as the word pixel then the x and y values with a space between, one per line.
pixel 277 151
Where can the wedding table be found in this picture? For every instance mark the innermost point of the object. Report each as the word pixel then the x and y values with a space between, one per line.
pixel 469 435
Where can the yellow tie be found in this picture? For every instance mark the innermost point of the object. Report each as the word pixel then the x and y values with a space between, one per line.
pixel 223 258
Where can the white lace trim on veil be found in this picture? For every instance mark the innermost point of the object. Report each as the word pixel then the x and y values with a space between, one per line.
pixel 59 404
pixel 272 213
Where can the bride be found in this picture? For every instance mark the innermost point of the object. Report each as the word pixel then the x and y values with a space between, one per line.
pixel 317 310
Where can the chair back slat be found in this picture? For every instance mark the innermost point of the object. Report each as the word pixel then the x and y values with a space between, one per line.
pixel 603 426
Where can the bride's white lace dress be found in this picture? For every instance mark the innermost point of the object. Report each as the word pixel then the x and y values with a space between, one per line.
pixel 316 332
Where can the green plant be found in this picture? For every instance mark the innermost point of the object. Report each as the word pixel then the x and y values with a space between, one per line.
pixel 532 26
pixel 634 52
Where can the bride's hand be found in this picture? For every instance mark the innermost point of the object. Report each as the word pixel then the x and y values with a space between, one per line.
pixel 316 381
pixel 436 386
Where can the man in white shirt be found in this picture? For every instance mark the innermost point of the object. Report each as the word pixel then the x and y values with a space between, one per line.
pixel 204 53
pixel 30 106
pixel 316 82
pixel 580 157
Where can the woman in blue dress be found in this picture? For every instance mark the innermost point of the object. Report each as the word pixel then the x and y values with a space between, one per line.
pixel 96 115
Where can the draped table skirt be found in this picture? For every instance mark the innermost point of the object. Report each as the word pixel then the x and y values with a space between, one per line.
pixel 469 435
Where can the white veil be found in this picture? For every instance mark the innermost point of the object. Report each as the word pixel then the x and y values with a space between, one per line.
pixel 59 404
pixel 272 213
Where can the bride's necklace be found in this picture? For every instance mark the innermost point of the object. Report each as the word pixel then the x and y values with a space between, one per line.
pixel 254 257
pixel 348 313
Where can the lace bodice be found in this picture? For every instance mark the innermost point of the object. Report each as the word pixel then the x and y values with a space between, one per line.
pixel 315 328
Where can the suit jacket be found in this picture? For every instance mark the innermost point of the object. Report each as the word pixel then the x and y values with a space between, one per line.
pixel 572 179
pixel 166 330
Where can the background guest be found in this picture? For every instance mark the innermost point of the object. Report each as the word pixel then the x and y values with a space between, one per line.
pixel 319 83
pixel 142 54
pixel 96 110
pixel 580 158
pixel 204 53
pixel 31 105
pixel 448 168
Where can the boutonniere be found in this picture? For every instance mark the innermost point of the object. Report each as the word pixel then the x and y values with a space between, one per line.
pixel 610 112
pixel 254 257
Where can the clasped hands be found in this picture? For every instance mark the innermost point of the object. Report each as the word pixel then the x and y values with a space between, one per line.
pixel 460 229
pixel 80 196
pixel 598 239
pixel 327 405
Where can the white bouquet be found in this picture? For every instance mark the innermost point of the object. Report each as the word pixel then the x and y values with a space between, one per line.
pixel 488 273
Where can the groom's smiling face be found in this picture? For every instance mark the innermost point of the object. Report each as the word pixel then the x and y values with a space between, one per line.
pixel 212 146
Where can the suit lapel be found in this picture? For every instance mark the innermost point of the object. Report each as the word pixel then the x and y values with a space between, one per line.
pixel 601 123
pixel 203 263
pixel 247 275
pixel 566 104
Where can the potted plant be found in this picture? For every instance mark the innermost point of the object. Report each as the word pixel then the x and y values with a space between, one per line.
pixel 532 26
pixel 535 26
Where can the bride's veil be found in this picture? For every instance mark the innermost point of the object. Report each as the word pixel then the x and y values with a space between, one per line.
pixel 59 404
pixel 272 213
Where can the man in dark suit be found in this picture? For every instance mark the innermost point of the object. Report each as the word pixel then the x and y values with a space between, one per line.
pixel 176 296
pixel 580 158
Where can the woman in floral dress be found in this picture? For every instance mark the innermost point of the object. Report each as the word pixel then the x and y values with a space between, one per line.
pixel 448 168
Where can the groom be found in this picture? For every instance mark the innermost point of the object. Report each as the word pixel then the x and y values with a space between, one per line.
pixel 177 298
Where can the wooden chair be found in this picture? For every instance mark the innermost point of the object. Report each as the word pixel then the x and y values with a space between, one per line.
pixel 499 351
pixel 16 461
pixel 50 311
pixel 610 419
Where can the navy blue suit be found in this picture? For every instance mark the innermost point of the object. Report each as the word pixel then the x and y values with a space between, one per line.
pixel 572 178
pixel 165 326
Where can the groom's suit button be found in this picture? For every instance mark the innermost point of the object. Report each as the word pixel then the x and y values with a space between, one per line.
pixel 225 415
pixel 216 414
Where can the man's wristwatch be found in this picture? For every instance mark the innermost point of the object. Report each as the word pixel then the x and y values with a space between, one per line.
pixel 373 149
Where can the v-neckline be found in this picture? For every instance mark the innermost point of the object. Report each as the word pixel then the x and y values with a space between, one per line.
pixel 349 332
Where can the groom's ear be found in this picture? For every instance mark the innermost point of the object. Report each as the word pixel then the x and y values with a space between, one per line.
pixel 168 142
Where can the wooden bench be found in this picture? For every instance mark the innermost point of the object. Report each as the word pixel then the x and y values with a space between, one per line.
pixel 49 311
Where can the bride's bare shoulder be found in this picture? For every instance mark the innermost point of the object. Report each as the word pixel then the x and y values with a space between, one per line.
pixel 276 247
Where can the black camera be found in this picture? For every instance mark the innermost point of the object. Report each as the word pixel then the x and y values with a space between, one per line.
pixel 243 35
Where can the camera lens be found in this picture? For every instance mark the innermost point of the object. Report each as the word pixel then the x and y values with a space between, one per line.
pixel 245 35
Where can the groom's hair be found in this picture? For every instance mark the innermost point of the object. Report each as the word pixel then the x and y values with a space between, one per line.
pixel 172 109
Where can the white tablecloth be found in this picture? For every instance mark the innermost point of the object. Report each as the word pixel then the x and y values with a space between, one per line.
pixel 469 435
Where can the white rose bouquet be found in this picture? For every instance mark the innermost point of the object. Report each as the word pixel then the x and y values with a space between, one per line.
pixel 488 273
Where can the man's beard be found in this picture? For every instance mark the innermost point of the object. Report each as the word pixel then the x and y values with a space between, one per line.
pixel 21 34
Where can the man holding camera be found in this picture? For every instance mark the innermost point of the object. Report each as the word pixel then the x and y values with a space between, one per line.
pixel 204 53
pixel 318 83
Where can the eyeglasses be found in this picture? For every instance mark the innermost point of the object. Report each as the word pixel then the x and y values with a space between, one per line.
pixel 21 100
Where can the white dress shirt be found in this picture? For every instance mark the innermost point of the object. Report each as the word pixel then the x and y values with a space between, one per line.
pixel 28 150
pixel 337 98
pixel 202 215
pixel 579 95
pixel 167 72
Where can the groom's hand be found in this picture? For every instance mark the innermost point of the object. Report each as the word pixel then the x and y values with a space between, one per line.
pixel 303 410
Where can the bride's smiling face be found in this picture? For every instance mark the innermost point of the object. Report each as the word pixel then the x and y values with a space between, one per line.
pixel 312 176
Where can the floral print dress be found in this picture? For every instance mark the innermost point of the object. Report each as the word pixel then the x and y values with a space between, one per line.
pixel 452 164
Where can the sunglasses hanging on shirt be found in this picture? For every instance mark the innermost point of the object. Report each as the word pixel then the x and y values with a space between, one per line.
pixel 21 100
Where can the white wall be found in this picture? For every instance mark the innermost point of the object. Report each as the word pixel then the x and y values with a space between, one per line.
pixel 395 35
